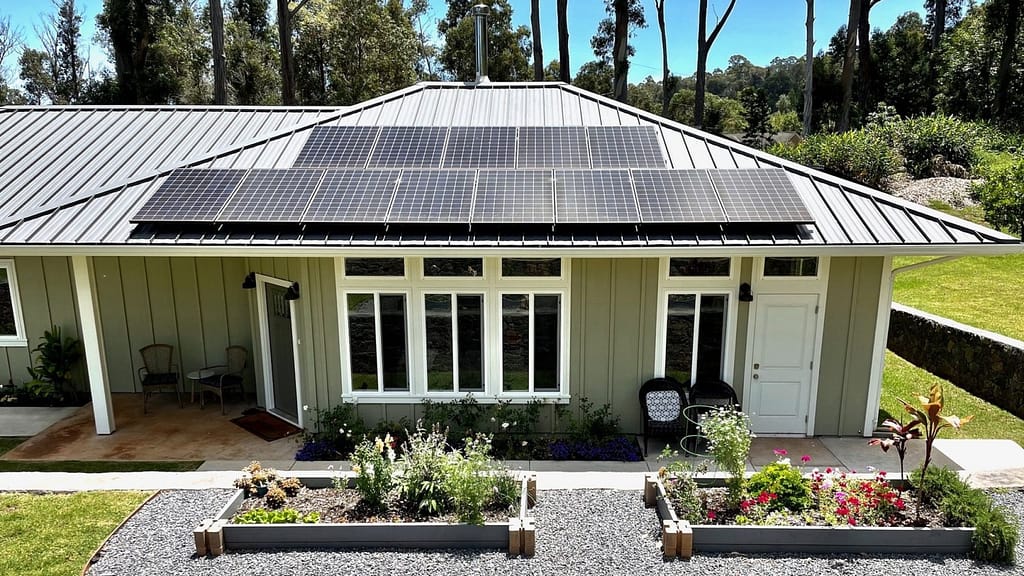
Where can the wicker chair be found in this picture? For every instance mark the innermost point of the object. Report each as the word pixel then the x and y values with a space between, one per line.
pixel 663 401
pixel 158 373
pixel 228 376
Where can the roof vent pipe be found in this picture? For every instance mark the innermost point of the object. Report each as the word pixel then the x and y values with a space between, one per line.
pixel 480 14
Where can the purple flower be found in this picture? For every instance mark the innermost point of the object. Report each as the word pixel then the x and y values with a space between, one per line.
pixel 840 497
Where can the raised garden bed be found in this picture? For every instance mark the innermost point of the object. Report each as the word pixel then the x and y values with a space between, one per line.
pixel 516 534
pixel 681 538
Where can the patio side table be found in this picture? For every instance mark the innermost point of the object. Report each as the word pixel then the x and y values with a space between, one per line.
pixel 195 376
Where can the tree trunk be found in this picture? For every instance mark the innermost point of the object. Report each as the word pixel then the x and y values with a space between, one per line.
pixel 935 58
pixel 564 73
pixel 666 92
pixel 809 72
pixel 865 72
pixel 938 23
pixel 851 53
pixel 1006 58
pixel 621 49
pixel 284 30
pixel 220 94
pixel 538 52
pixel 704 43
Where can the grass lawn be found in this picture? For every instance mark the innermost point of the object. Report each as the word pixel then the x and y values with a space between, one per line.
pixel 978 291
pixel 7 443
pixel 904 380
pixel 56 534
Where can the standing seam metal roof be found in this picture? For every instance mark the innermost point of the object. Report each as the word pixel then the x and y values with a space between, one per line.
pixel 95 209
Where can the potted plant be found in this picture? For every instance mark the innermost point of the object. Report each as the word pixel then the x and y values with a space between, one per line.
pixel 55 360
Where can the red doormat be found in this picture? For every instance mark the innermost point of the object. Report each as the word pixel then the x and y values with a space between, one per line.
pixel 266 425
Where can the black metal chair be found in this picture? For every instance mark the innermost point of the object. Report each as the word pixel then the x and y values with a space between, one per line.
pixel 158 373
pixel 713 392
pixel 663 401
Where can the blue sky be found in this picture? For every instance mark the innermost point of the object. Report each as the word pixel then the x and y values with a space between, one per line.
pixel 758 29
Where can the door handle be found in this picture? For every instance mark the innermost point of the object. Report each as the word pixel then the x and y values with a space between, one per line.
pixel 755 376
pixel 756 365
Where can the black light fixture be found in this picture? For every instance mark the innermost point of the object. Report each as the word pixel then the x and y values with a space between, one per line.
pixel 293 292
pixel 745 294
pixel 250 281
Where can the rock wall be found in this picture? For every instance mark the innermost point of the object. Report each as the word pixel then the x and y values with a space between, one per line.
pixel 988 365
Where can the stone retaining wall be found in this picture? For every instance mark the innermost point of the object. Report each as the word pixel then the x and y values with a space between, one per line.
pixel 986 364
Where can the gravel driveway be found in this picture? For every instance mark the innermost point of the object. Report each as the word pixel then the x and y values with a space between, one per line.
pixel 578 532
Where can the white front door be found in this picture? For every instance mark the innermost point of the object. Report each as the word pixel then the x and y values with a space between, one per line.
pixel 780 377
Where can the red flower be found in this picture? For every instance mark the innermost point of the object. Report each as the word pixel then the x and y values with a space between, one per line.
pixel 746 504
pixel 900 504
pixel 763 498
pixel 828 470
pixel 852 521
pixel 805 458
pixel 842 511
pixel 712 515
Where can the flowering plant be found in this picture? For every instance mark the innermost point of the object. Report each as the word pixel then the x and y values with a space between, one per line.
pixel 728 434
pixel 373 461
pixel 758 509
pixel 784 480
pixel 845 500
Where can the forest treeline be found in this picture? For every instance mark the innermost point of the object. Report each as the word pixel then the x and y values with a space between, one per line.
pixel 962 58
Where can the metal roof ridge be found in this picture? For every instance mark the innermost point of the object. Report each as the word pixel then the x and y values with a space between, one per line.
pixel 173 107
pixel 113 187
pixel 846 185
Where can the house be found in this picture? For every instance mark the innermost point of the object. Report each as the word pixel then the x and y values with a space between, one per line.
pixel 636 247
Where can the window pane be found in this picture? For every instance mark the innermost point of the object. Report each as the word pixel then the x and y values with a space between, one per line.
pixel 679 336
pixel 374 267
pixel 801 266
pixel 546 338
pixel 531 267
pixel 438 320
pixel 362 342
pixel 471 342
pixel 515 342
pixel 698 266
pixel 393 342
pixel 711 336
pixel 453 267
pixel 7 325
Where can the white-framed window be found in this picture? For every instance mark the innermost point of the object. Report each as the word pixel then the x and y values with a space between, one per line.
pixel 806 267
pixel 701 267
pixel 12 326
pixel 458 337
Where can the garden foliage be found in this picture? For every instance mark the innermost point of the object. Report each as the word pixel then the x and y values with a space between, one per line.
pixel 1001 194
pixel 728 434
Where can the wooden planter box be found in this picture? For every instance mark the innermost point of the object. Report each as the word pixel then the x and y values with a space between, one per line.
pixel 681 539
pixel 517 535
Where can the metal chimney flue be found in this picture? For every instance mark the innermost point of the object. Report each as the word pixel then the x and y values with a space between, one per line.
pixel 480 14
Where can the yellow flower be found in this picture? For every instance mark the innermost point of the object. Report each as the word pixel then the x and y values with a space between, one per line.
pixel 662 472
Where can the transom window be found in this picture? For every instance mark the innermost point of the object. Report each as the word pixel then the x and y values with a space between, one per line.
pixel 430 326
pixel 802 266
pixel 695 336
pixel 12 331
pixel 700 267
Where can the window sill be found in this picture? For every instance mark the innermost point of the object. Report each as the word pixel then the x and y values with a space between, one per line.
pixel 397 398
pixel 13 343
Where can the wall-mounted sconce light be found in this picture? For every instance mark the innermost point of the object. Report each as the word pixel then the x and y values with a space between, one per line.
pixel 745 294
pixel 250 281
pixel 293 292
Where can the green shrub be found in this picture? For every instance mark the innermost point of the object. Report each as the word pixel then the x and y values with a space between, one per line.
pixel 920 140
pixel 373 462
pixel 680 479
pixel 507 491
pixel 588 424
pixel 995 537
pixel 340 425
pixel 1001 195
pixel 282 516
pixel 938 484
pixel 962 508
pixel 728 434
pixel 783 480
pixel 467 480
pixel 855 155
pixel 421 466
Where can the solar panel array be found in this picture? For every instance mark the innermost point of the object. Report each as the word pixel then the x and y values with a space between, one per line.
pixel 482 147
pixel 469 196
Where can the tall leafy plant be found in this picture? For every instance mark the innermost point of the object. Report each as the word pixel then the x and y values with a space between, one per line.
pixel 54 361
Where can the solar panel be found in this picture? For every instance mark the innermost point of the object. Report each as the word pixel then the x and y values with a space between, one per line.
pixel 409 147
pixel 625 147
pixel 337 147
pixel 353 196
pixel 481 147
pixel 272 196
pixel 190 195
pixel 677 196
pixel 594 197
pixel 553 147
pixel 514 197
pixel 759 195
pixel 433 197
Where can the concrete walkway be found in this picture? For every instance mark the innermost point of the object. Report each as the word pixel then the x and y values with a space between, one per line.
pixel 30 420
pixel 985 463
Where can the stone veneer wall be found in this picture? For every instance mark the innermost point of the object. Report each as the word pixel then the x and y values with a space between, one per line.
pixel 988 365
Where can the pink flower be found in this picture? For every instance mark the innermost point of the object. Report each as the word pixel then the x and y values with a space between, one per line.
pixel 780 452
pixel 828 470
pixel 852 521
pixel 842 511
pixel 712 515
pixel 805 458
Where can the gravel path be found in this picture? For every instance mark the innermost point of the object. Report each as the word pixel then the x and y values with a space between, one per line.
pixel 578 532
pixel 955 192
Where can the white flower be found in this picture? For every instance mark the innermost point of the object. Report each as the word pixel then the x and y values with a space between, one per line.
pixel 330 466
pixel 784 461
pixel 492 419
pixel 872 468
pixel 305 407
pixel 525 443
pixel 504 425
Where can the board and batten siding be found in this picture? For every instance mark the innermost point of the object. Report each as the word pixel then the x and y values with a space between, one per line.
pixel 854 286
pixel 47 299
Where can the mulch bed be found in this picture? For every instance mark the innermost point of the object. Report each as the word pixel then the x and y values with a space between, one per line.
pixel 343 506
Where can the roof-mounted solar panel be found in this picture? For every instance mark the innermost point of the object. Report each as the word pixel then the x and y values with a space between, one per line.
pixel 433 197
pixel 553 147
pixel 594 197
pixel 514 197
pixel 190 195
pixel 409 147
pixel 625 147
pixel 759 195
pixel 272 196
pixel 480 147
pixel 677 196
pixel 337 147
pixel 353 196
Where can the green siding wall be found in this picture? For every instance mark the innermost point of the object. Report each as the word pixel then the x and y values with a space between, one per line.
pixel 847 347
